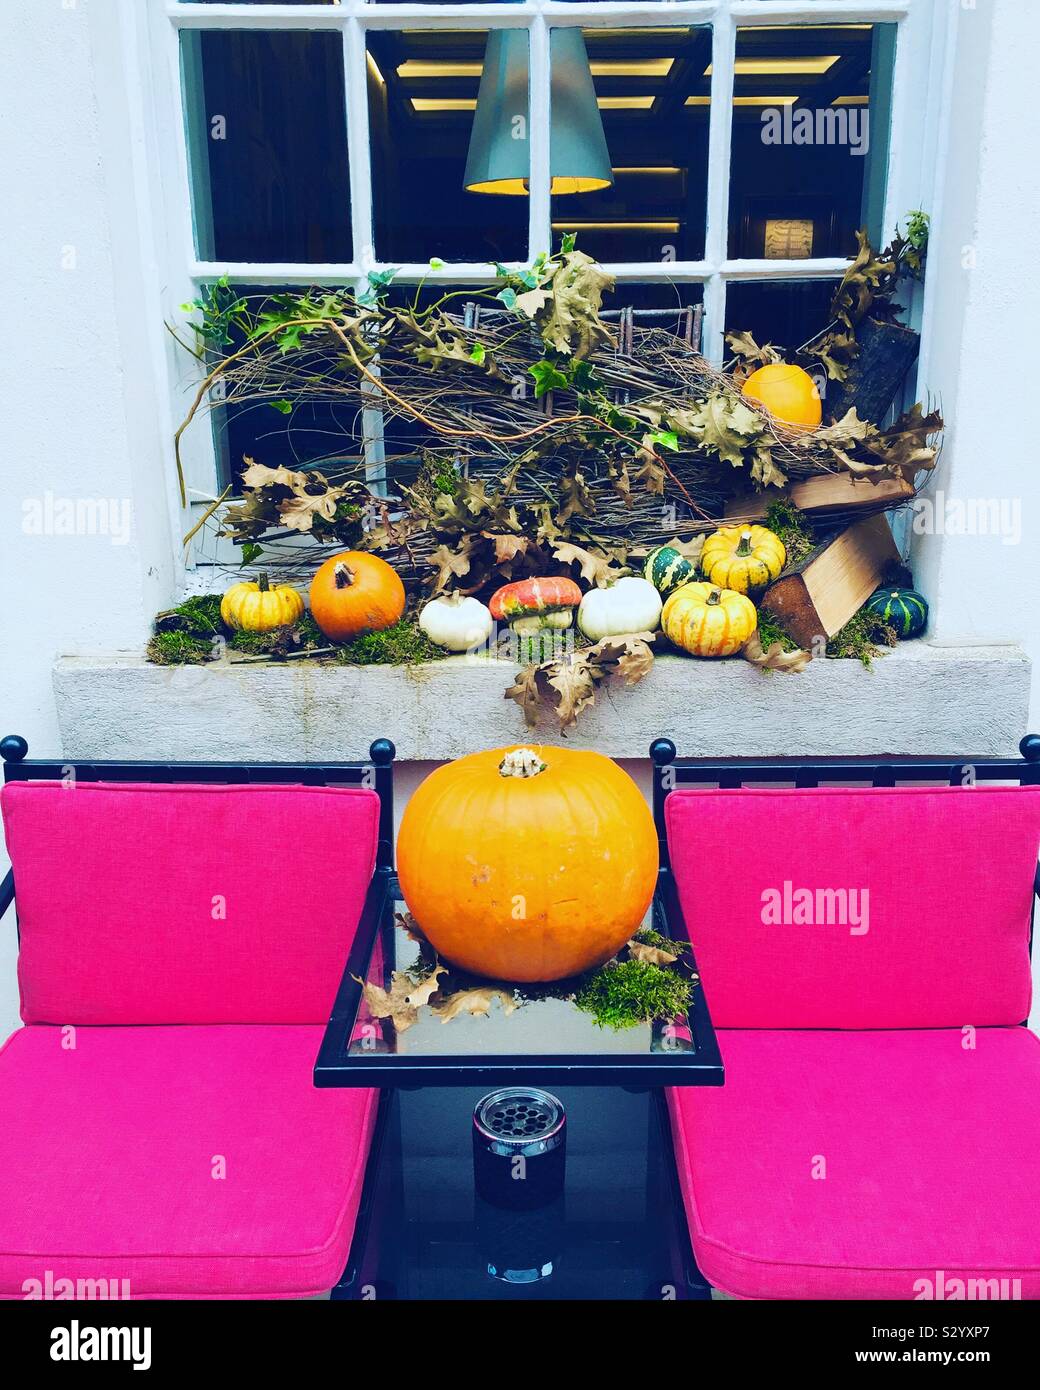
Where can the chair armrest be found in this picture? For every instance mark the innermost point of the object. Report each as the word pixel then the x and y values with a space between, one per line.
pixel 7 892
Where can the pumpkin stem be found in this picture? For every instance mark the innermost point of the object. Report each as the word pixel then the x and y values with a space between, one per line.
pixel 521 762
pixel 744 548
pixel 262 583
pixel 714 597
pixel 343 574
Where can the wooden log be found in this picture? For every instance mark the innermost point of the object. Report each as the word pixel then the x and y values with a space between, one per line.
pixel 816 598
pixel 887 351
pixel 829 492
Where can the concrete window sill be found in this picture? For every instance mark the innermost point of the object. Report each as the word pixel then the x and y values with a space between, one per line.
pixel 919 698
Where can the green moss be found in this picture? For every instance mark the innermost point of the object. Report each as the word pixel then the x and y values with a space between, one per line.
pixel 199 615
pixel 304 634
pixel 770 631
pixel 792 526
pixel 625 993
pixel 179 649
pixel 862 637
pixel 403 644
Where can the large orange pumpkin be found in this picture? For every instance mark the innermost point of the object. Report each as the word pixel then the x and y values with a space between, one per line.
pixel 528 864
pixel 355 593
pixel 788 393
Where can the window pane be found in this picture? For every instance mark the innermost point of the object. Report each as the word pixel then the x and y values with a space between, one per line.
pixel 322 429
pixel 639 194
pixel 810 138
pixel 786 313
pixel 432 144
pixel 267 141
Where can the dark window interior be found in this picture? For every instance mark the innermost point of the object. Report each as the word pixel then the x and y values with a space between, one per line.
pixel 267 137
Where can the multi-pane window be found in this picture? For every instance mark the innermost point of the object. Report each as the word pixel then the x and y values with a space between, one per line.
pixel 719 154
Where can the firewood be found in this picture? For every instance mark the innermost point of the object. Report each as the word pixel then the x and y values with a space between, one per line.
pixel 830 492
pixel 815 598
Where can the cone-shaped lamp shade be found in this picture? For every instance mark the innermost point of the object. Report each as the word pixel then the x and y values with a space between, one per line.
pixel 499 153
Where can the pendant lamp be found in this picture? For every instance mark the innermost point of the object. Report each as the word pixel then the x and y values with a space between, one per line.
pixel 499 152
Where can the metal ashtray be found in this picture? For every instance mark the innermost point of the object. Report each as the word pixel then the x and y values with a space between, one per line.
pixel 519 1157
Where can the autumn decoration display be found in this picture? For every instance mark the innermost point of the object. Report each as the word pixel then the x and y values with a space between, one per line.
pixel 575 500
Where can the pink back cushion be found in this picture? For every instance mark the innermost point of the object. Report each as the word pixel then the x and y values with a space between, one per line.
pixel 942 880
pixel 186 903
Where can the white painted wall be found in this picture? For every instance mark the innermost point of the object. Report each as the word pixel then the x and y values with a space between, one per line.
pixel 79 418
pixel 85 403
pixel 981 316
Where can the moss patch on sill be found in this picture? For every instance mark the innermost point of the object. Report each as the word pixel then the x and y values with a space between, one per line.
pixel 193 633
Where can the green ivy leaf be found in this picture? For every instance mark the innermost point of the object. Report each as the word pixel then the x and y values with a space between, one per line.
pixel 250 552
pixel 477 353
pixel 567 242
pixel 546 378
pixel 668 439
pixel 508 297
pixel 285 406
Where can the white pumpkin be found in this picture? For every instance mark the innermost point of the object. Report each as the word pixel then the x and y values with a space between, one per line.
pixel 456 622
pixel 628 605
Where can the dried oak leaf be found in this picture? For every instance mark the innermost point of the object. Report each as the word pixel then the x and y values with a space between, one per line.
pixel 651 472
pixel 575 497
pixel 835 352
pixel 473 1001
pixel 300 511
pixel 595 569
pixel 902 450
pixel 629 656
pixel 531 301
pixel 652 955
pixel 251 518
pixel 507 548
pixel 744 346
pixel 849 430
pixel 764 469
pixel 450 565
pixel 569 686
pixel 259 475
pixel 402 1001
pixel 774 657
pixel 526 693
pixel 569 321
pixel 722 424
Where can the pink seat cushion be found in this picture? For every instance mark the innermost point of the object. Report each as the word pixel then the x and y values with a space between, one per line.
pixel 861 908
pixel 186 903
pixel 928 1150
pixel 108 1153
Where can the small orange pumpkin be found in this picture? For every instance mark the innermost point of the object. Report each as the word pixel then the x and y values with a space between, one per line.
pixel 354 593
pixel 788 393
pixel 528 864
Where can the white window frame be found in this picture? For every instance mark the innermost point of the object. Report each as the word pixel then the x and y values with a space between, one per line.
pixel 912 154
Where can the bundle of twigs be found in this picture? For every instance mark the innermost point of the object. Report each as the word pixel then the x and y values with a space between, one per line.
pixel 529 421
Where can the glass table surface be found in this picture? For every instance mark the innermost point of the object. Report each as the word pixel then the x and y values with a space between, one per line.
pixel 392 1025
